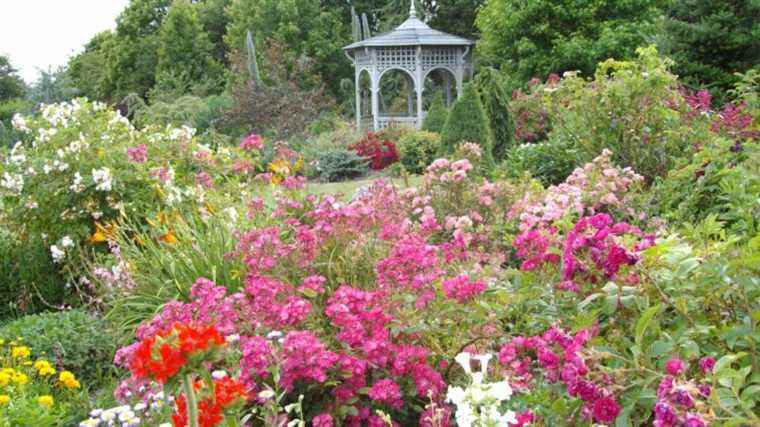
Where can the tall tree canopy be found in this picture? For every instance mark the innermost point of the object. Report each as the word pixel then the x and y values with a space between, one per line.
pixel 711 40
pixel 185 53
pixel 538 37
pixel 303 27
pixel 11 85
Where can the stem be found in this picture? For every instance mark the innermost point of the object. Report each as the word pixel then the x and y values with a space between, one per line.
pixel 192 403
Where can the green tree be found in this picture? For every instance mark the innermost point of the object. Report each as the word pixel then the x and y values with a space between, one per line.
pixel 538 37
pixel 306 30
pixel 468 122
pixel 453 16
pixel 52 86
pixel 436 115
pixel 132 56
pixel 496 102
pixel 185 54
pixel 11 85
pixel 87 70
pixel 712 40
pixel 214 18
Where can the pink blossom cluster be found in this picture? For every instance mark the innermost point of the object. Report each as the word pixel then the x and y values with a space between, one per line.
pixel 732 120
pixel 681 402
pixel 138 154
pixel 444 171
pixel 561 357
pixel 596 186
pixel 252 142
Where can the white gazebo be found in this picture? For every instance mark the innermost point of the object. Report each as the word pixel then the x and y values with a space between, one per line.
pixel 417 51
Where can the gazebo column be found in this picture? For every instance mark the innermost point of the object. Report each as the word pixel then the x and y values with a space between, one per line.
pixel 375 88
pixel 409 96
pixel 357 86
pixel 419 86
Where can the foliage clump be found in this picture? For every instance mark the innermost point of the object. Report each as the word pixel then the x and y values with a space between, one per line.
pixel 467 122
pixel 435 117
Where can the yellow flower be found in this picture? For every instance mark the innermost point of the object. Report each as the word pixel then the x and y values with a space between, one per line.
pixel 4 399
pixel 68 380
pixel 5 378
pixel 20 352
pixel 44 368
pixel 20 378
pixel 46 400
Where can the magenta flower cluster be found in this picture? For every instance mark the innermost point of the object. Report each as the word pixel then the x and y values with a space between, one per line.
pixel 561 357
pixel 681 401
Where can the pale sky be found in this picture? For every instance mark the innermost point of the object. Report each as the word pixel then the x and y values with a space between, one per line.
pixel 41 33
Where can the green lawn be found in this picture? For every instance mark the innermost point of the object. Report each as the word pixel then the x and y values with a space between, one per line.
pixel 348 188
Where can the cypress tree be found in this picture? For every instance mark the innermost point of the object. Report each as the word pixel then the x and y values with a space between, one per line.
pixel 436 115
pixel 467 122
pixel 496 103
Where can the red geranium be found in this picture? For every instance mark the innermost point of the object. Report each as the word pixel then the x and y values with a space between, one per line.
pixel 163 355
pixel 227 392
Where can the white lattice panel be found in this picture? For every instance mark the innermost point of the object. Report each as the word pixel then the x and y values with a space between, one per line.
pixel 397 57
pixel 437 57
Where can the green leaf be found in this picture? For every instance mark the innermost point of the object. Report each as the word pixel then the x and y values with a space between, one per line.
pixel 644 321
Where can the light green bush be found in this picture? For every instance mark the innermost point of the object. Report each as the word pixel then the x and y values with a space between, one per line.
pixel 418 149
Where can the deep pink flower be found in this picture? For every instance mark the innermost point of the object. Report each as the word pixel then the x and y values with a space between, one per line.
pixel 707 364
pixel 386 391
pixel 461 288
pixel 605 410
pixel 675 366
pixel 322 420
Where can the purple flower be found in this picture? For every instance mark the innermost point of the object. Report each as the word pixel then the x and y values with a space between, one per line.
pixel 664 415
pixel 707 364
pixel 694 420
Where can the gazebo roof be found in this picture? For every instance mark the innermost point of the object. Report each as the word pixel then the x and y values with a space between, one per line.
pixel 413 32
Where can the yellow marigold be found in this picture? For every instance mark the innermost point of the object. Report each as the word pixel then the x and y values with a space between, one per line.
pixel 20 352
pixel 68 380
pixel 20 378
pixel 4 399
pixel 46 400
pixel 44 368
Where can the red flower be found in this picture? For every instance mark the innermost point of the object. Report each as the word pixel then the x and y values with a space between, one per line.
pixel 163 355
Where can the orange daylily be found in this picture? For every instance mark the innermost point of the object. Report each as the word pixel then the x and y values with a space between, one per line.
pixel 104 233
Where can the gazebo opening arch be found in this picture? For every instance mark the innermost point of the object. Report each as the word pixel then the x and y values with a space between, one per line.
pixel 440 79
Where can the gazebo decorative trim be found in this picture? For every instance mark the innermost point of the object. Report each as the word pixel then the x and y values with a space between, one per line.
pixel 415 49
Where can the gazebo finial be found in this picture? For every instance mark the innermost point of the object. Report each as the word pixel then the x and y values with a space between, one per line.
pixel 412 11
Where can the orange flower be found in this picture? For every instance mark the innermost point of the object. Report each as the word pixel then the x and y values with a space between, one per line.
pixel 169 238
pixel 104 233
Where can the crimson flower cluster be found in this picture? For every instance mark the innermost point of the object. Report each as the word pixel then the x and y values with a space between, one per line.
pixel 380 151
pixel 559 357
